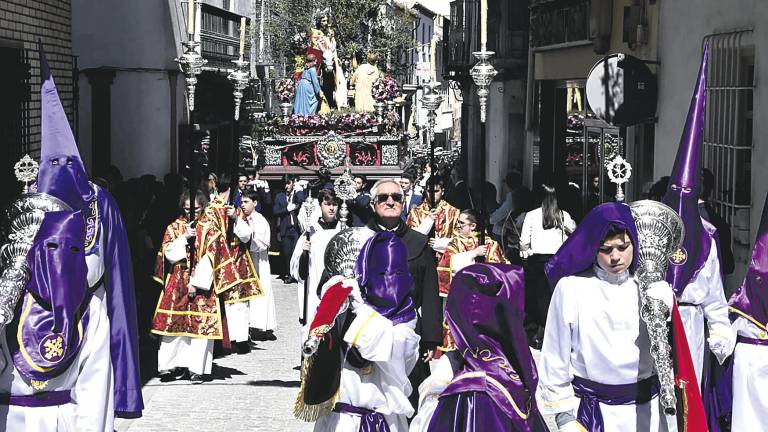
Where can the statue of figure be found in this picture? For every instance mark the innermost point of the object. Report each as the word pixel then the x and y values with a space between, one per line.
pixel 306 99
pixel 363 79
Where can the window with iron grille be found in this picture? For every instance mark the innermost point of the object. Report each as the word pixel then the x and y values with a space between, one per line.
pixel 728 132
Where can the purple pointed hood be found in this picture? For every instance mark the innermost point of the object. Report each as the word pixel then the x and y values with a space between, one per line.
pixel 484 311
pixel 384 279
pixel 684 189
pixel 751 298
pixel 579 251
pixel 62 173
pixel 50 328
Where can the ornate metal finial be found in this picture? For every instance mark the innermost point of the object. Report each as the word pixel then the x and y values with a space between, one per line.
pixel 345 189
pixel 619 172
pixel 482 74
pixel 26 170
pixel 240 78
pixel 191 64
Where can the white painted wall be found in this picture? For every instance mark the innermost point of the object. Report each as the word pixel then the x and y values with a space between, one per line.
pixel 140 40
pixel 683 25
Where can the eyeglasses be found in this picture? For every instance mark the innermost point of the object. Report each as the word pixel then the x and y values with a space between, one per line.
pixel 460 223
pixel 396 197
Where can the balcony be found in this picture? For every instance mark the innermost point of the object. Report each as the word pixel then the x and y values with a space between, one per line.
pixel 220 38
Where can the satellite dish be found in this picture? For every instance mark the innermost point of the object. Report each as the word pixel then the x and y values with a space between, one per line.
pixel 630 96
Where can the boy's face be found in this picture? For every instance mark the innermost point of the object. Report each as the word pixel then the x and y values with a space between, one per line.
pixel 247 205
pixel 615 254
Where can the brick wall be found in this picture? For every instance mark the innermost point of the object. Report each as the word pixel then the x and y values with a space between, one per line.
pixel 22 23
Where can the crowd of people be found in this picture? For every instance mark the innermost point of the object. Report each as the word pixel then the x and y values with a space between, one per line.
pixel 434 328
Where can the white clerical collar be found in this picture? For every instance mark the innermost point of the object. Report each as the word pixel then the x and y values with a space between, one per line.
pixel 383 228
pixel 616 279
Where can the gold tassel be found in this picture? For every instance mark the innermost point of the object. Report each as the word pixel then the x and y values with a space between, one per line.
pixel 310 413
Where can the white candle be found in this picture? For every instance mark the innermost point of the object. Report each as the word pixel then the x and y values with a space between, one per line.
pixel 242 36
pixel 191 17
pixel 483 24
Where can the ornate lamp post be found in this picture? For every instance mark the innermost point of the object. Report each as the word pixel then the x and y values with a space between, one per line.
pixel 191 64
pixel 239 78
pixel 482 74
pixel 431 102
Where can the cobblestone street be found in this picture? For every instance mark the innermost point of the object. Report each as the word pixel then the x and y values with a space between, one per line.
pixel 251 392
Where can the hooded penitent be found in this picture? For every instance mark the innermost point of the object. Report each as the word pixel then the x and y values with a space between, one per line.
pixel 62 174
pixel 684 189
pixel 53 319
pixel 384 279
pixel 578 253
pixel 495 387
pixel 751 299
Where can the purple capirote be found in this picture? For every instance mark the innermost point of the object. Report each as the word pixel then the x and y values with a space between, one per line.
pixel 751 299
pixel 685 187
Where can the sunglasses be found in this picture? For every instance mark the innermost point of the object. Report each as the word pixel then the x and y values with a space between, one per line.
pixel 396 197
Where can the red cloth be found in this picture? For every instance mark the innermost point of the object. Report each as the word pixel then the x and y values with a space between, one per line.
pixel 690 407
pixel 329 308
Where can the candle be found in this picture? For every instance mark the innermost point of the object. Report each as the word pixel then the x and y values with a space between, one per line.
pixel 483 24
pixel 242 36
pixel 191 17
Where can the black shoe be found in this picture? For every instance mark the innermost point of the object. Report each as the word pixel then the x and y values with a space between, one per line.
pixel 291 280
pixel 242 347
pixel 269 335
pixel 195 378
pixel 171 374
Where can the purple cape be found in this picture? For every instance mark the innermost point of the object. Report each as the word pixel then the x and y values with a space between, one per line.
pixel 579 251
pixel 384 279
pixel 751 299
pixel 496 386
pixel 121 307
pixel 47 336
pixel 684 189
pixel 63 175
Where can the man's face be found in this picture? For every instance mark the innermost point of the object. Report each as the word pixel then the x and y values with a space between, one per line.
pixel 405 184
pixel 359 183
pixel 198 209
pixel 465 226
pixel 242 182
pixel 289 186
pixel 384 203
pixel 247 205
pixel 324 21
pixel 615 254
pixel 328 210
pixel 438 192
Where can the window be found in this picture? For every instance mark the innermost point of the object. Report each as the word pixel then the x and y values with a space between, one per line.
pixel 728 132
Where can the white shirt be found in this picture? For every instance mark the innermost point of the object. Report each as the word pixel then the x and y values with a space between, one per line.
pixel 537 240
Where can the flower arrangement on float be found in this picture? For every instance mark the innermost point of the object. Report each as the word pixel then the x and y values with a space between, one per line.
pixel 385 88
pixel 285 90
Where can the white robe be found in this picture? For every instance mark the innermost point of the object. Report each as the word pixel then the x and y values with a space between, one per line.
pixel 195 354
pixel 750 380
pixel 319 241
pixel 238 313
pixel 393 351
pixel 594 331
pixel 89 378
pixel 262 308
pixel 706 291
pixel 429 393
